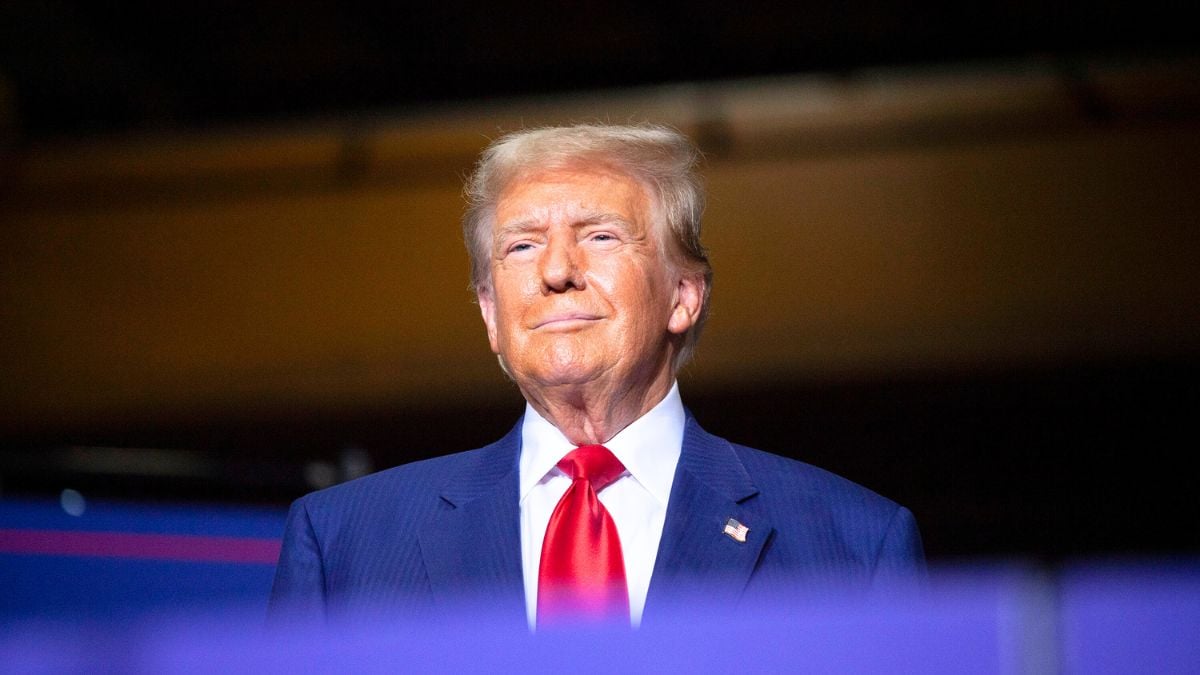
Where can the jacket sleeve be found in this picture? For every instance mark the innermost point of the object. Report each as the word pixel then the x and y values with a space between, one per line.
pixel 901 556
pixel 298 592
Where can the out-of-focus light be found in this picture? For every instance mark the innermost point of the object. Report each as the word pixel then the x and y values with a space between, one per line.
pixel 320 474
pixel 72 502
pixel 355 463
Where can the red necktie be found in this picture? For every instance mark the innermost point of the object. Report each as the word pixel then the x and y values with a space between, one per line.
pixel 582 574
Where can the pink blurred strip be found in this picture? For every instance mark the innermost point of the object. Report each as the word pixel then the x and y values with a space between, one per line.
pixel 182 547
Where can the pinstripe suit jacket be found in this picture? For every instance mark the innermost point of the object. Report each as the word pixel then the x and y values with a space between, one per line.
pixel 438 531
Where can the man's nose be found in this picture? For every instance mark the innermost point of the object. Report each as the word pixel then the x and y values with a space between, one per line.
pixel 561 266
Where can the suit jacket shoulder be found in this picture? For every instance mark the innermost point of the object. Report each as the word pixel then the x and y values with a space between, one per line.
pixel 878 529
pixel 805 527
pixel 403 537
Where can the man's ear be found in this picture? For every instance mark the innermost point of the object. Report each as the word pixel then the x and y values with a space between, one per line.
pixel 487 307
pixel 689 300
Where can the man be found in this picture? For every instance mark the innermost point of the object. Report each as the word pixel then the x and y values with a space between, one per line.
pixel 607 497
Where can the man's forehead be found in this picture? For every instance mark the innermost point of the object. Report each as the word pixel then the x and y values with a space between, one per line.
pixel 595 195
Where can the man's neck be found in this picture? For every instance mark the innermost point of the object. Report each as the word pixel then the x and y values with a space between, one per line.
pixel 587 415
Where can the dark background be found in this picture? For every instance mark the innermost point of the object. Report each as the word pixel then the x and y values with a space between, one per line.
pixel 1047 463
pixel 1049 460
pixel 77 68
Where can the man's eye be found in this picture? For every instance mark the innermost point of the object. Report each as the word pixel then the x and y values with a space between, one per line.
pixel 603 236
pixel 520 246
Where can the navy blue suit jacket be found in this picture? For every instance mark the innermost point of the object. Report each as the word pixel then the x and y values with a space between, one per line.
pixel 447 529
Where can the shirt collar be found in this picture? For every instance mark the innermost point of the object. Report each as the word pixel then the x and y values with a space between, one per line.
pixel 649 447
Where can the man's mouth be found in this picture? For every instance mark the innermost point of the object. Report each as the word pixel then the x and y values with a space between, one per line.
pixel 565 321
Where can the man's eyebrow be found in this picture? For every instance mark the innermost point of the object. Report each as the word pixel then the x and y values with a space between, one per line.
pixel 603 218
pixel 518 227
pixel 526 226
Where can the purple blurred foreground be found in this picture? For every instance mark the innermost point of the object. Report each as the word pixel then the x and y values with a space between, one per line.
pixel 1095 619
pixel 142 608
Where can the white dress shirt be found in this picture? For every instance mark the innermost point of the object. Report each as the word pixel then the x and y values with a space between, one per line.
pixel 649 448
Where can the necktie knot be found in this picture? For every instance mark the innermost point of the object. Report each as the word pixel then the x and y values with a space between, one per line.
pixel 593 463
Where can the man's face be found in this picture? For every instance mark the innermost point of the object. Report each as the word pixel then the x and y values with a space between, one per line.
pixel 581 291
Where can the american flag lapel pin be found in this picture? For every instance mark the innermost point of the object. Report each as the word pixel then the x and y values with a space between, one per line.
pixel 736 530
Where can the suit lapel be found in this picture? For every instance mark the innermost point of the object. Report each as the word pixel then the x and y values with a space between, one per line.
pixel 695 555
pixel 472 548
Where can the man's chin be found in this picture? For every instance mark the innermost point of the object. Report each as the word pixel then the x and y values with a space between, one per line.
pixel 548 377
